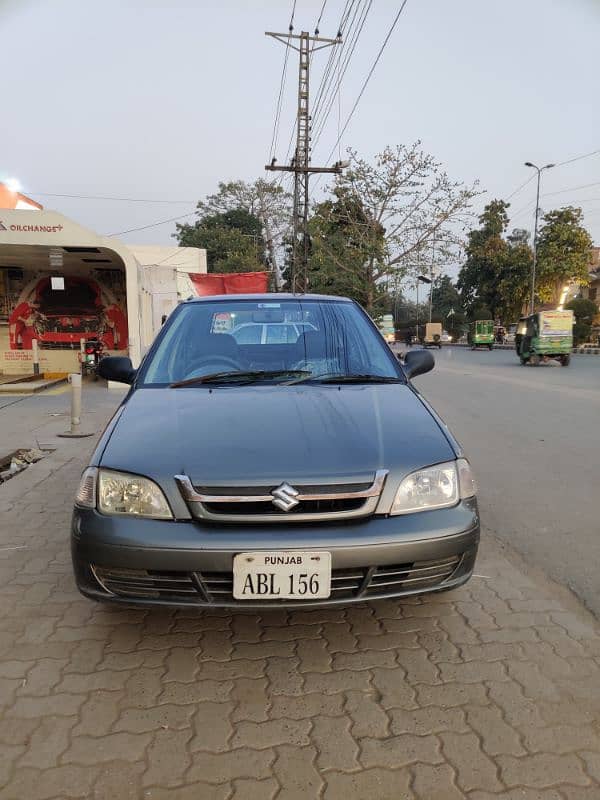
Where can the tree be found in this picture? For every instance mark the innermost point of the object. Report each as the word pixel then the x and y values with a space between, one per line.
pixel 495 275
pixel 233 241
pixel 347 247
pixel 584 310
pixel 456 324
pixel 444 297
pixel 564 253
pixel 267 202
pixel 408 214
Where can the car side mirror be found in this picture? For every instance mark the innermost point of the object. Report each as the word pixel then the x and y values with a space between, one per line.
pixel 417 362
pixel 117 368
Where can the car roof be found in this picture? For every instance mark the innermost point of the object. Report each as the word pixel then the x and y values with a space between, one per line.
pixel 270 297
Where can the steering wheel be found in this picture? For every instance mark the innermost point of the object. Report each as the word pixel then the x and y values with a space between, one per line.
pixel 214 364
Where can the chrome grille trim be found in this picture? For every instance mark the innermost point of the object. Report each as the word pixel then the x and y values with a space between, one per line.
pixel 198 501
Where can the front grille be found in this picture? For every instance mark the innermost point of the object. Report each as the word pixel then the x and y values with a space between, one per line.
pixel 204 588
pixel 308 501
pixel 303 507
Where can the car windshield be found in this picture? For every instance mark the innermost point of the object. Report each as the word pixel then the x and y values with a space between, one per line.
pixel 274 340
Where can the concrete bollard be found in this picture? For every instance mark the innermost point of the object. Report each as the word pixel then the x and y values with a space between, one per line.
pixel 75 432
pixel 75 381
pixel 36 357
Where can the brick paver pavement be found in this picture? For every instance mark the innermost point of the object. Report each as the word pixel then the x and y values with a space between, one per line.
pixel 489 691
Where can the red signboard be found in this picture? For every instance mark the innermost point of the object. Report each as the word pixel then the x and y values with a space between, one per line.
pixel 230 283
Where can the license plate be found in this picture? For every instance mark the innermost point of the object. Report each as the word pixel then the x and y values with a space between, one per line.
pixel 282 575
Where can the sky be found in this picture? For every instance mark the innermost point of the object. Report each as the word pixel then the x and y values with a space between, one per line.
pixel 162 100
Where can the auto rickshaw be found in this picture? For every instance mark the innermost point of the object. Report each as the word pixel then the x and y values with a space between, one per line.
pixel 433 335
pixel 545 335
pixel 481 334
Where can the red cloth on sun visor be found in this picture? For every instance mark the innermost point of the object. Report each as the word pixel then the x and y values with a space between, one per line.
pixel 230 283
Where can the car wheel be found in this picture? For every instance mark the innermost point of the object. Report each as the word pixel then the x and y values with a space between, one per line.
pixel 565 360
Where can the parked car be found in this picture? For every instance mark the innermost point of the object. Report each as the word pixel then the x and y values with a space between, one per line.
pixel 269 332
pixel 273 474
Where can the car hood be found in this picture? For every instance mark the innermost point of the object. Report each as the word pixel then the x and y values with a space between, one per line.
pixel 266 434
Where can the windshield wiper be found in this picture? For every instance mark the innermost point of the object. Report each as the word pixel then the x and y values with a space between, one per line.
pixel 249 376
pixel 346 378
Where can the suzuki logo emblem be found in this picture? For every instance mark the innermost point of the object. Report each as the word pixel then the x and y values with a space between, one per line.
pixel 284 497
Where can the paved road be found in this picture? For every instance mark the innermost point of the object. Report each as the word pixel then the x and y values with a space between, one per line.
pixel 533 435
pixel 490 691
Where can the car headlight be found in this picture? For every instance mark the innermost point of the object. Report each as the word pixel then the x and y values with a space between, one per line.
pixel 439 486
pixel 114 492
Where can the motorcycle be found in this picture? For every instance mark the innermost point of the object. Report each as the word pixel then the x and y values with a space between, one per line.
pixel 92 355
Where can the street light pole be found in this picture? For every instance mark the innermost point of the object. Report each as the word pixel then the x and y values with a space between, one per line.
pixel 418 281
pixel 431 276
pixel 535 233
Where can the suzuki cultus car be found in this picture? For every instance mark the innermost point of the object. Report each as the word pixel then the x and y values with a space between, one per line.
pixel 306 470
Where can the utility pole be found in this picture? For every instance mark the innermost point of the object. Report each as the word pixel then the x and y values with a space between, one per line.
pixel 300 164
pixel 535 233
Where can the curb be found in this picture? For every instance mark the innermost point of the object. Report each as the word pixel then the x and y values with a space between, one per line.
pixel 578 351
pixel 30 387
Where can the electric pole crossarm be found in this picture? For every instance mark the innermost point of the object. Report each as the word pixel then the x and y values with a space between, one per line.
pixel 334 170
pixel 285 37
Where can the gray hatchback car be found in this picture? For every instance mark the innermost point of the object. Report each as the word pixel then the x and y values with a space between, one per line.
pixel 298 470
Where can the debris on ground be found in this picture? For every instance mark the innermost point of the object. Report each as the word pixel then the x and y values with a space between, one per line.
pixel 18 461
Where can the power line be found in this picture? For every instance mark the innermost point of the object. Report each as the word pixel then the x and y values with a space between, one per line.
pixel 275 135
pixel 551 194
pixel 560 164
pixel 112 199
pixel 320 17
pixel 572 189
pixel 152 225
pixel 278 108
pixel 367 79
pixel 325 77
pixel 342 69
pixel 578 158
pixel 522 186
pixel 329 82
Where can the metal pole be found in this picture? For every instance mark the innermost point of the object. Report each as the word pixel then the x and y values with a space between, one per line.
pixel 431 276
pixel 81 354
pixel 535 233
pixel 36 357
pixel 417 311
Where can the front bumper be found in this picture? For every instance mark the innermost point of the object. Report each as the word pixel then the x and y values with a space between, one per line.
pixel 188 563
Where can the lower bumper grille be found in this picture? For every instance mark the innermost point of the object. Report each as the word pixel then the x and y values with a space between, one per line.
pixel 204 588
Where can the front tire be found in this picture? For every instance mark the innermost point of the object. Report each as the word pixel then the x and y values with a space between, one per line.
pixel 534 360
pixel 490 346
pixel 565 360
